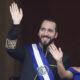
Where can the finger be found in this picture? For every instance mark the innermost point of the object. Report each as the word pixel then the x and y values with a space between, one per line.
pixel 60 50
pixel 10 9
pixel 53 46
pixel 21 12
pixel 16 7
pixel 51 50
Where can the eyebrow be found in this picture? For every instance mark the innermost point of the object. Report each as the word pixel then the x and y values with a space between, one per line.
pixel 48 29
pixel 42 28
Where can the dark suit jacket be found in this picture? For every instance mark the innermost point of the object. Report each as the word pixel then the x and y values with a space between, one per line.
pixel 28 72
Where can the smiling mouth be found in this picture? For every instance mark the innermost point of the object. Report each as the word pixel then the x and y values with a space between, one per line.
pixel 45 39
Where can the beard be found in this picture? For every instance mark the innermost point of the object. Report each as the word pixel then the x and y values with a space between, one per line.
pixel 44 44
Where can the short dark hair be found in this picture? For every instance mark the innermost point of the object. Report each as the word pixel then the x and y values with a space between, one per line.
pixel 52 20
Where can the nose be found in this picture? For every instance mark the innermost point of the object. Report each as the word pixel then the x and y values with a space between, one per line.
pixel 46 32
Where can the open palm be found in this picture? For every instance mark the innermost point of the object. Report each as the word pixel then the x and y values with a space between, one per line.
pixel 56 53
pixel 16 13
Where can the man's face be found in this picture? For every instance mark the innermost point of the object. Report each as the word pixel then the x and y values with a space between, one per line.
pixel 47 32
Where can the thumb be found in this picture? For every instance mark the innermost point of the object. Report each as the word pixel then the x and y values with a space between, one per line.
pixel 21 12
pixel 60 50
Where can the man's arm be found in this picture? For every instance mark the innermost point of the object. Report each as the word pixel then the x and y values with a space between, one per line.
pixel 10 44
pixel 11 41
pixel 58 55
pixel 16 15
pixel 63 73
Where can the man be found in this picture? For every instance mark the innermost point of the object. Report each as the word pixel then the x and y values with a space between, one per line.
pixel 72 72
pixel 38 63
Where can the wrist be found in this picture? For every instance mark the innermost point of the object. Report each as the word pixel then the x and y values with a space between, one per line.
pixel 15 25
pixel 16 22
pixel 59 61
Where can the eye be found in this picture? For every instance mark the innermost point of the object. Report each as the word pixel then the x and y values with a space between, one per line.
pixel 42 29
pixel 50 30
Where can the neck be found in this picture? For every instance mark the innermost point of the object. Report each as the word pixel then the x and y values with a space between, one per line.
pixel 44 48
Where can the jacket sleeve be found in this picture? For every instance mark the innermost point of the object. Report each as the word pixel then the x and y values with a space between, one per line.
pixel 66 61
pixel 18 53
pixel 13 49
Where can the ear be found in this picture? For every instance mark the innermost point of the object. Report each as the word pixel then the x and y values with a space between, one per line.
pixel 56 35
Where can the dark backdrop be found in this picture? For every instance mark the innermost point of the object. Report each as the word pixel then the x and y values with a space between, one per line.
pixel 67 14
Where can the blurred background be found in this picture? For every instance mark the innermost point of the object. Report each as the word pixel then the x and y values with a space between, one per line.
pixel 67 14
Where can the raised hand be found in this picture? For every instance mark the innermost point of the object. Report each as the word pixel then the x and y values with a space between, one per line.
pixel 16 13
pixel 56 53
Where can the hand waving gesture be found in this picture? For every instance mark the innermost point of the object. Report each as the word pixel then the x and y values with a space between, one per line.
pixel 56 53
pixel 16 13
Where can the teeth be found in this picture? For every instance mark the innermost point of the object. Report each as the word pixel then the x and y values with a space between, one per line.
pixel 45 37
